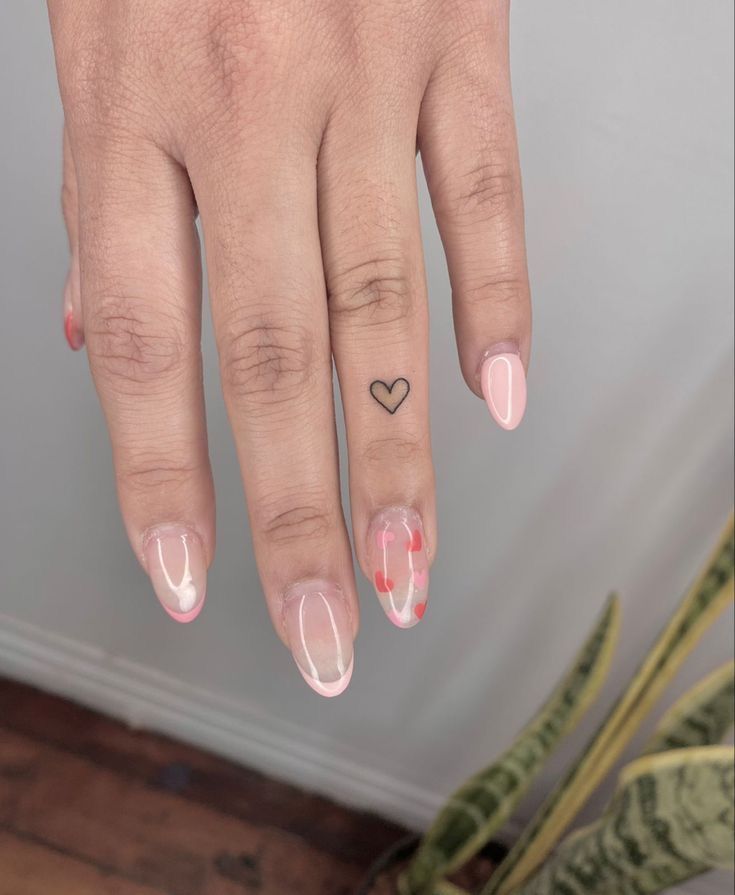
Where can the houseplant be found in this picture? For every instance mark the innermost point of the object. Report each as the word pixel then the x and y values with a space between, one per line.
pixel 672 815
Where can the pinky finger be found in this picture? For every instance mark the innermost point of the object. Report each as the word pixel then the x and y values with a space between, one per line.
pixel 73 323
pixel 468 146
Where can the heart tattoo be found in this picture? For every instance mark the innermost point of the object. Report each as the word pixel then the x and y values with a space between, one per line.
pixel 390 396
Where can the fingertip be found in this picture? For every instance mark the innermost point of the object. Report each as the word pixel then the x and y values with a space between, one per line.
pixel 318 628
pixel 333 689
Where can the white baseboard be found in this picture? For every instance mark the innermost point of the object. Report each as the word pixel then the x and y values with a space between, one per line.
pixel 146 698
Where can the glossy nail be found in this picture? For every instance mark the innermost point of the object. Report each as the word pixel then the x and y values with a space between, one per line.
pixel 399 564
pixel 503 382
pixel 73 334
pixel 175 561
pixel 318 627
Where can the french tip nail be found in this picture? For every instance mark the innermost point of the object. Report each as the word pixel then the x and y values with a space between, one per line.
pixel 330 690
pixel 410 621
pixel 184 618
pixel 318 629
pixel 177 568
pixel 503 381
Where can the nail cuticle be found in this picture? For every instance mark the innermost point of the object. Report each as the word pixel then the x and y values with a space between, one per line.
pixel 499 348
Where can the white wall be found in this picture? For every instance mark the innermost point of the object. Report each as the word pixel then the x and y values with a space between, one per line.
pixel 620 477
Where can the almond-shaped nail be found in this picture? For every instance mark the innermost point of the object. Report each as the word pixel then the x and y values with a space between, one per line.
pixel 72 331
pixel 318 627
pixel 73 334
pixel 503 382
pixel 399 564
pixel 177 568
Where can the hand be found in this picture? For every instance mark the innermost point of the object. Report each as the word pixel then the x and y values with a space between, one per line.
pixel 291 126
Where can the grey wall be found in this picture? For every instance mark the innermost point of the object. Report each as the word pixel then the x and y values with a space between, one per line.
pixel 620 476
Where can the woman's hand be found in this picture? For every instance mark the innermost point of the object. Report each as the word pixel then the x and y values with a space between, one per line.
pixel 292 127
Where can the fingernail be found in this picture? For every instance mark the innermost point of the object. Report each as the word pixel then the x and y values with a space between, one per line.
pixel 399 564
pixel 175 561
pixel 504 388
pixel 319 632
pixel 73 335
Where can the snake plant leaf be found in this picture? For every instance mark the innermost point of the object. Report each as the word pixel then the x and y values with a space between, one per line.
pixel 707 597
pixel 446 888
pixel 671 819
pixel 702 717
pixel 480 807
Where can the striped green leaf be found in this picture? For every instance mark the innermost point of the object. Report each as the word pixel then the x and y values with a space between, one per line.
pixel 707 597
pixel 446 888
pixel 702 717
pixel 671 819
pixel 477 810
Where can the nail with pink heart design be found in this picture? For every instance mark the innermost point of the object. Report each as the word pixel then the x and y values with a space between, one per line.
pixel 399 564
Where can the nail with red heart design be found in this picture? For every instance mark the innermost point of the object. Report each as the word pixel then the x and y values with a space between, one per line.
pixel 383 585
pixel 399 564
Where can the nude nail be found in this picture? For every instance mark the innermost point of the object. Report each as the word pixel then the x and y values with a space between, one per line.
pixel 503 382
pixel 399 564
pixel 318 627
pixel 177 567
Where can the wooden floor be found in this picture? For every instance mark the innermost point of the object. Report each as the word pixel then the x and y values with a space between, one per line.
pixel 89 807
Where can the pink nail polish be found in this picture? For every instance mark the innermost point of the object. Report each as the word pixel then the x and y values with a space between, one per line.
pixel 503 382
pixel 73 335
pixel 399 564
pixel 318 627
pixel 177 567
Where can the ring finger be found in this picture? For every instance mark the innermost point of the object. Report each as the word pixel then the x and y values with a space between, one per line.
pixel 378 315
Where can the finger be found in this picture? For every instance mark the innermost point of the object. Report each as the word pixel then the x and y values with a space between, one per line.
pixel 140 287
pixel 269 311
pixel 73 324
pixel 379 324
pixel 468 146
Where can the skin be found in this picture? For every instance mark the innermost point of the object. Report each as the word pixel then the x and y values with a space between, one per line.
pixel 290 127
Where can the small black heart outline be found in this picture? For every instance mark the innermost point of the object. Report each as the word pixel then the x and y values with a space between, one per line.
pixel 389 389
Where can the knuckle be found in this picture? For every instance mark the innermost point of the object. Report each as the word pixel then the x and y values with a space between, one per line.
pixel 488 191
pixel 401 449
pixel 241 50
pixel 499 289
pixel 374 292
pixel 287 523
pixel 130 342
pixel 145 472
pixel 265 361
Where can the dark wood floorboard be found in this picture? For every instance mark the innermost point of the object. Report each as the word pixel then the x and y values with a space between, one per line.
pixel 88 805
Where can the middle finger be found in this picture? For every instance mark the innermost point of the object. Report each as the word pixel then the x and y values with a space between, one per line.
pixel 258 209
